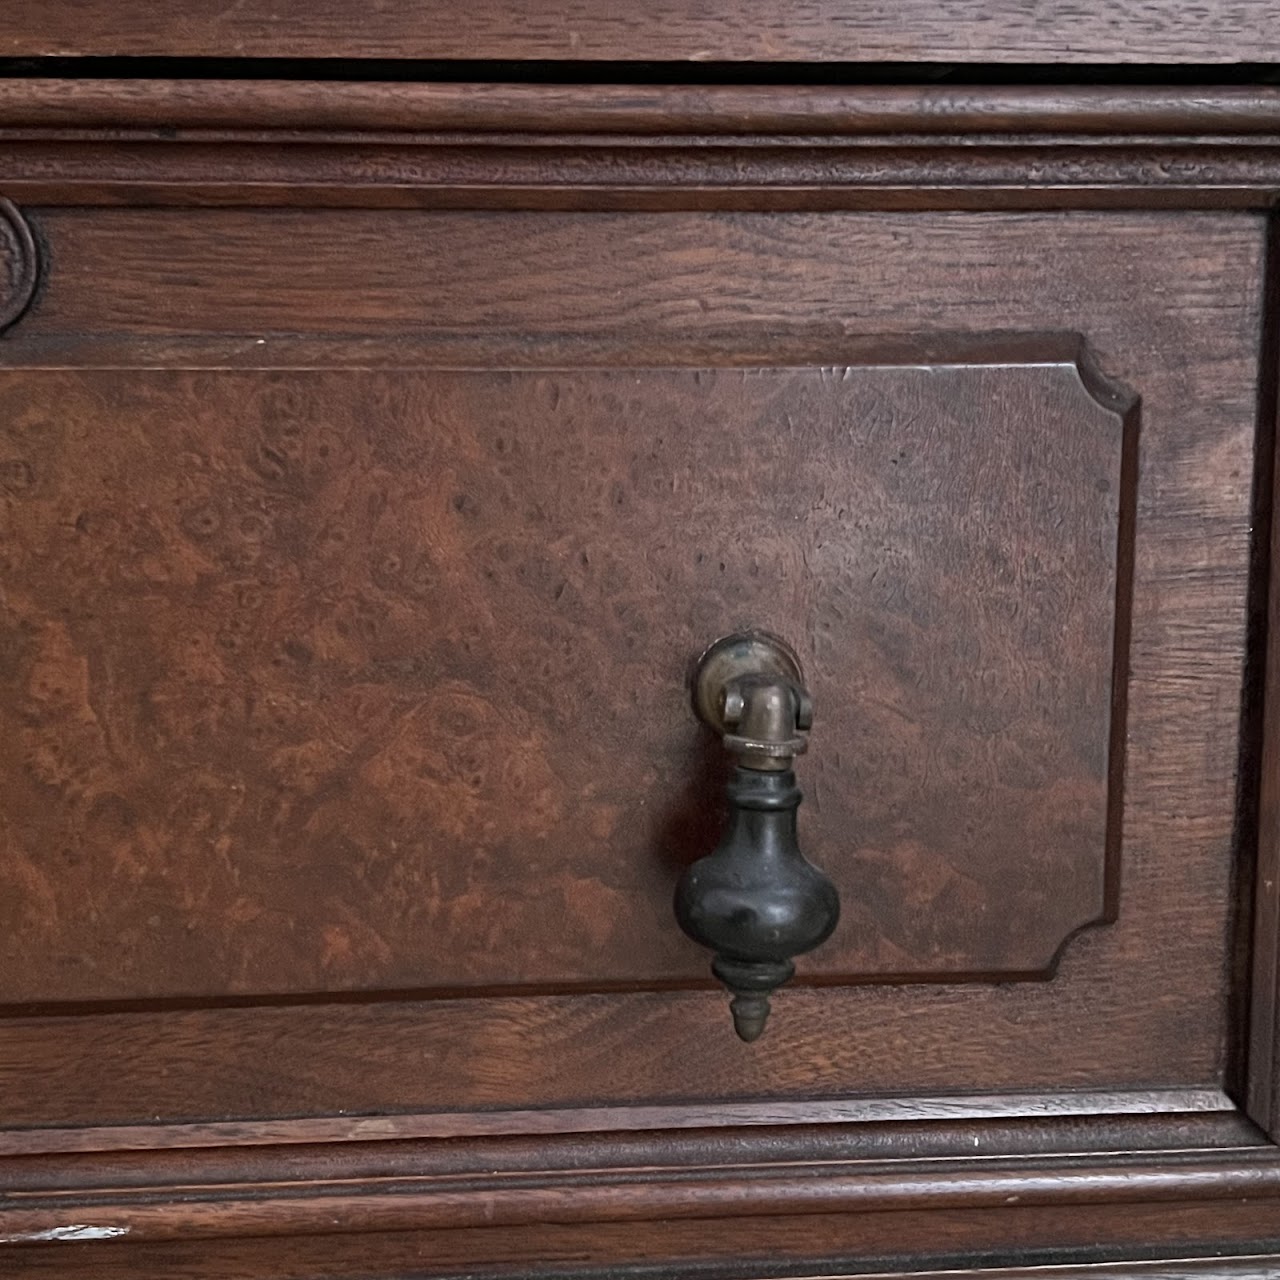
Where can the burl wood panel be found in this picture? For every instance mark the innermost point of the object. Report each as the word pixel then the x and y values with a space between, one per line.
pixel 1143 1002
pixel 357 679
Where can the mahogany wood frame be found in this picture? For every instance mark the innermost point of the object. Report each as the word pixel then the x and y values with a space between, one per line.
pixel 1088 1177
pixel 592 147
pixel 1008 31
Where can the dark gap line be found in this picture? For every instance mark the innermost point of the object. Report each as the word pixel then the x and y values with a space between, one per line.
pixel 1253 688
pixel 91 1007
pixel 750 1266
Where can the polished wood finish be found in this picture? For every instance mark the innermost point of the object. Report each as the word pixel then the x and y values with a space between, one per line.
pixel 317 144
pixel 415 701
pixel 1155 978
pixel 231 436
pixel 588 1179
pixel 582 110
pixel 756 1247
pixel 944 31
pixel 1208 1107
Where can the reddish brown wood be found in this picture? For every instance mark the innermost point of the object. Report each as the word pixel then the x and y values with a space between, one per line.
pixel 399 1186
pixel 947 31
pixel 639 147
pixel 479 1132
pixel 1154 979
pixel 410 1146
pixel 598 1183
pixel 57 107
pixel 161 1212
pixel 1197 176
pixel 720 146
pixel 376 653
pixel 901 1244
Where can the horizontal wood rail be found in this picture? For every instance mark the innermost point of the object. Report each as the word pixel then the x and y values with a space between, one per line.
pixel 163 106
pixel 576 147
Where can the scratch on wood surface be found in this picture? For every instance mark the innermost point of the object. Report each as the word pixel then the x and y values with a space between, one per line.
pixel 74 1232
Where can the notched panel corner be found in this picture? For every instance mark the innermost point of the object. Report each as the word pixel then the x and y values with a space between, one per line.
pixel 396 656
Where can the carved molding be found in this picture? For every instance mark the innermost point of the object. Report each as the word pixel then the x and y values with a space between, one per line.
pixel 188 107
pixel 222 1189
pixel 651 147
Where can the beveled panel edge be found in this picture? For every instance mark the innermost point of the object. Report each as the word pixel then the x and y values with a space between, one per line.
pixel 1111 404
pixel 325 144
pixel 753 344
pixel 1128 404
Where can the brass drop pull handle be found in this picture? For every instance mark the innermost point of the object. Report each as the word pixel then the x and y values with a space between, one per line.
pixel 755 901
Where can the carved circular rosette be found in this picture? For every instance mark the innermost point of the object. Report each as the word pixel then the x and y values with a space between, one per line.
pixel 19 265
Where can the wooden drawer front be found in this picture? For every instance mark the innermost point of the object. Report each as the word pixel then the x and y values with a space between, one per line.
pixel 353 565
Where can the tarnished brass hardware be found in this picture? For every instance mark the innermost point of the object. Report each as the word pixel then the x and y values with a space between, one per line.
pixel 756 902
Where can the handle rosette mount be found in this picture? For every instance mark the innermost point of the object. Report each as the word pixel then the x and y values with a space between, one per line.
pixel 755 901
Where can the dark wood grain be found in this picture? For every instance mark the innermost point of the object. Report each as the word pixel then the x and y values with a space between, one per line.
pixel 143 109
pixel 1182 331
pixel 1262 1088
pixel 198 398
pixel 1194 175
pixel 1097 1115
pixel 376 653
pixel 640 1178
pixel 583 147
pixel 624 1139
pixel 900 1243
pixel 947 31
pixel 182 1211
